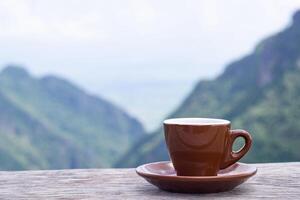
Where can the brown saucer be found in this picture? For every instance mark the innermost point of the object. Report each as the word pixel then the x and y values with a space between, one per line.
pixel 163 175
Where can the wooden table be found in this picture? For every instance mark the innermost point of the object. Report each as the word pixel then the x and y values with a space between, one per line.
pixel 274 181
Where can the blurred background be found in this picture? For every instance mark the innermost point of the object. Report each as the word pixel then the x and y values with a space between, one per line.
pixel 88 83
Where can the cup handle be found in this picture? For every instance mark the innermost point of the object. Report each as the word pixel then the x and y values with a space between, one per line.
pixel 230 156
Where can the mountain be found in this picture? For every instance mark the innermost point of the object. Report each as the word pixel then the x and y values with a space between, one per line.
pixel 259 93
pixel 48 123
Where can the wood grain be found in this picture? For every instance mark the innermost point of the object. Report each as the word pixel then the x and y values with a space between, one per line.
pixel 274 181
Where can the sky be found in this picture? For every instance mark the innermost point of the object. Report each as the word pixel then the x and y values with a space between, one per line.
pixel 142 55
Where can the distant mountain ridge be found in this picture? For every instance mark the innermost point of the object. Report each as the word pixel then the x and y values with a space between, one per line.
pixel 260 93
pixel 49 123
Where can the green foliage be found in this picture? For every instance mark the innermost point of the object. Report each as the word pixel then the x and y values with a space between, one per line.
pixel 49 123
pixel 259 93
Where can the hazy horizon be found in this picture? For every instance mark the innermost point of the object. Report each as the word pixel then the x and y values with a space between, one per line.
pixel 144 56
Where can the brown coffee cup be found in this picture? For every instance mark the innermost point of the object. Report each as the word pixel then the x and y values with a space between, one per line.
pixel 203 146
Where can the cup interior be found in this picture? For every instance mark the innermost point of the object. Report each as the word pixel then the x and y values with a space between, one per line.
pixel 196 121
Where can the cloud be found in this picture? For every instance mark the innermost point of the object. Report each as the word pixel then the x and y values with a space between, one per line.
pixel 31 20
pixel 119 33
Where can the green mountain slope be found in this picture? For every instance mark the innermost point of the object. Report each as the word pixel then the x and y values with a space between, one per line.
pixel 50 123
pixel 259 93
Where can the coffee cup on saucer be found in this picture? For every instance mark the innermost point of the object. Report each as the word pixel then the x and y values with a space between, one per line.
pixel 203 146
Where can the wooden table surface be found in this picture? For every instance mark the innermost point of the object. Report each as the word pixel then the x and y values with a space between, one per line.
pixel 274 181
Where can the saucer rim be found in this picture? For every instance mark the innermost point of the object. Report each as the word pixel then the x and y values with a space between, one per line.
pixel 242 175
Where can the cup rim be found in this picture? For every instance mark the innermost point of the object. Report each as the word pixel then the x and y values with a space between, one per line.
pixel 195 121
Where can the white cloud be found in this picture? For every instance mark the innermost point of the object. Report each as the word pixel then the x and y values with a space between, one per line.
pixel 31 20
pixel 120 33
